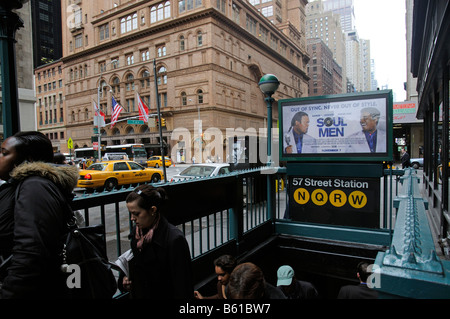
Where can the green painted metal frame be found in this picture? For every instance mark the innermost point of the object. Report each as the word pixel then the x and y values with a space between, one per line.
pixel 411 267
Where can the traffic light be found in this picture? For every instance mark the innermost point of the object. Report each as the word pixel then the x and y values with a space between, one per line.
pixel 157 122
pixel 163 122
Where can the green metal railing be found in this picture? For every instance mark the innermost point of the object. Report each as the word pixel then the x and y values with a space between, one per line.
pixel 411 268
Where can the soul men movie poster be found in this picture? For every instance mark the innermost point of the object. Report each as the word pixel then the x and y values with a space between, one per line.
pixel 333 127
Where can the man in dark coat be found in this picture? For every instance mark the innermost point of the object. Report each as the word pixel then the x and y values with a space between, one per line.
pixel 360 291
pixel 406 160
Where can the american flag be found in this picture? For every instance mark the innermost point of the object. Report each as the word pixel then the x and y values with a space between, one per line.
pixel 116 109
pixel 143 109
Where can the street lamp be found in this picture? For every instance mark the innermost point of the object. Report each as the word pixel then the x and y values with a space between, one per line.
pixel 100 88
pixel 268 85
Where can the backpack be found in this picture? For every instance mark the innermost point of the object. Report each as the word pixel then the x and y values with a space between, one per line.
pixel 88 272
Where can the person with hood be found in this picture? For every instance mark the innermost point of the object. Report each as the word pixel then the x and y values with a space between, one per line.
pixel 37 194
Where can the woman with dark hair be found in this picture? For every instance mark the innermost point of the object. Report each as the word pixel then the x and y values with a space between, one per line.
pixel 161 263
pixel 33 217
pixel 247 282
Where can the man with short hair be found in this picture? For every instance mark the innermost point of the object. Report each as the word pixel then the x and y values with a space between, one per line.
pixel 360 291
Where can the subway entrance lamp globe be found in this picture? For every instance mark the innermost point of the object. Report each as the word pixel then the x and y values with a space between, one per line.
pixel 269 84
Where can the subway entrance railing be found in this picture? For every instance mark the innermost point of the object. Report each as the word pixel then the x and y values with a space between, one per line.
pixel 229 214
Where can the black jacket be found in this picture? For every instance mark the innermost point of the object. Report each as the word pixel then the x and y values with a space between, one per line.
pixel 40 218
pixel 360 291
pixel 7 193
pixel 162 270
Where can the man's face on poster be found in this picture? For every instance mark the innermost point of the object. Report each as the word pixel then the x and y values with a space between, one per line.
pixel 302 126
pixel 368 123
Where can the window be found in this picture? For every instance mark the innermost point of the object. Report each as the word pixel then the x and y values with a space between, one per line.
pixel 145 55
pixel 199 38
pixel 160 12
pixel 130 105
pixel 267 11
pixel 251 25
pixel 145 81
pixel 221 5
pixel 236 14
pixel 162 76
pixel 161 51
pixel 200 97
pixel 130 82
pixel 186 5
pixel 78 41
pixel 182 43
pixel 162 98
pixel 129 23
pixel 116 85
pixel 130 59
pixel 104 31
pixel 183 98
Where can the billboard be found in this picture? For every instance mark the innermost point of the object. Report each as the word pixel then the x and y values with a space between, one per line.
pixel 350 127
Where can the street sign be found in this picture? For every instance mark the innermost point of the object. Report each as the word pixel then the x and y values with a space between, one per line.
pixel 95 146
pixel 70 143
pixel 135 122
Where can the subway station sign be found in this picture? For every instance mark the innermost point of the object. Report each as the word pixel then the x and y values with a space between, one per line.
pixel 335 200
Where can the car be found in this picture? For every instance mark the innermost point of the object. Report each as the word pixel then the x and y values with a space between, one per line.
pixel 416 162
pixel 156 161
pixel 202 170
pixel 108 175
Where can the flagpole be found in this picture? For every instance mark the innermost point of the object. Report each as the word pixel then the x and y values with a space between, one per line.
pixel 158 108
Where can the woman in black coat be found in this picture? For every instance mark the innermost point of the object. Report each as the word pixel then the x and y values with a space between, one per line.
pixel 161 263
pixel 40 192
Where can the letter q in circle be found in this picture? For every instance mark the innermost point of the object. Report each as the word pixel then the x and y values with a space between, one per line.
pixel 319 197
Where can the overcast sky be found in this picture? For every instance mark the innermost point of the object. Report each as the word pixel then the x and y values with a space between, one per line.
pixel 383 23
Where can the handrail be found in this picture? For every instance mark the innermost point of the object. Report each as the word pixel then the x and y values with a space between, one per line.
pixel 411 267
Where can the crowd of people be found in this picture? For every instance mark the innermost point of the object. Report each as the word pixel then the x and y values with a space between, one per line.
pixel 36 188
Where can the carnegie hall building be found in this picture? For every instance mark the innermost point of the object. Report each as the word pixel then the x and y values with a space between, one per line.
pixel 207 56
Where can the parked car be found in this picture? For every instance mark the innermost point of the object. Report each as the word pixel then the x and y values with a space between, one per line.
pixel 156 161
pixel 109 175
pixel 416 162
pixel 202 170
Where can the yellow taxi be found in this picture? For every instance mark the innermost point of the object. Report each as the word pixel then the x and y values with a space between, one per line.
pixel 110 174
pixel 156 161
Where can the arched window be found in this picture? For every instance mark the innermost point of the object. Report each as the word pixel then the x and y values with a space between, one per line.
pixel 199 38
pixel 161 51
pixel 200 96
pixel 104 89
pixel 182 43
pixel 183 98
pixel 160 12
pixel 116 85
pixel 73 116
pixel 145 80
pixel 162 76
pixel 130 82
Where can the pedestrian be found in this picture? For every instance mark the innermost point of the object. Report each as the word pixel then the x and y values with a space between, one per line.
pixel 293 288
pixel 247 282
pixel 405 158
pixel 224 265
pixel 59 158
pixel 37 201
pixel 161 263
pixel 361 291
